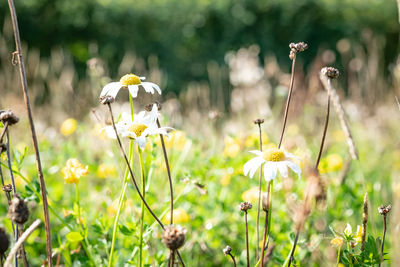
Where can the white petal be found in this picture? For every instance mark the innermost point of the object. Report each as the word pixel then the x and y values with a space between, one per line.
pixel 252 165
pixel 257 152
pixel 291 156
pixel 269 171
pixel 295 168
pixel 283 169
pixel 109 87
pixel 133 90
pixel 114 91
pixel 147 87
pixel 141 140
pixel 142 78
pixel 110 132
pixel 155 86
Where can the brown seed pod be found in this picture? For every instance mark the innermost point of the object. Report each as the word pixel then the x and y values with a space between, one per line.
pixel 174 237
pixel 18 210
pixel 8 116
pixel 4 241
pixel 244 206
pixel 383 210
pixel 105 100
pixel 227 250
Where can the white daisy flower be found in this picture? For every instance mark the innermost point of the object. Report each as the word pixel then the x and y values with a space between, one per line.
pixel 274 160
pixel 130 82
pixel 144 124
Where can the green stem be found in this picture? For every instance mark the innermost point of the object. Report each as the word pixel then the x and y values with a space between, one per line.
pixel 122 195
pixel 142 207
pixel 338 257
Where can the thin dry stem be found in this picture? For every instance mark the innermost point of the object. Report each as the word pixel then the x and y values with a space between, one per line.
pixel 24 83
pixel 20 241
pixel 247 240
pixel 288 101
pixel 259 196
pixel 327 83
pixel 169 175
pixel 265 224
pixel 324 133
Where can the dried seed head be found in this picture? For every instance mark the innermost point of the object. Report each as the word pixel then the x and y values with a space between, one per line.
pixel 4 241
pixel 330 72
pixel 258 121
pixel 18 210
pixel 383 210
pixel 174 237
pixel 294 48
pixel 149 107
pixel 107 99
pixel 245 206
pixel 315 187
pixel 227 250
pixel 3 148
pixel 8 116
pixel 7 188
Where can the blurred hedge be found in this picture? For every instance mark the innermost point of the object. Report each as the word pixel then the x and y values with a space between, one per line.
pixel 186 34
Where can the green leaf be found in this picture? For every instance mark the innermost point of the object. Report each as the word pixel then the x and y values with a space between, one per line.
pixel 74 237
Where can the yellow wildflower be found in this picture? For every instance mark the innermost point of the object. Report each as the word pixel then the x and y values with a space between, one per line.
pixel 68 127
pixel 331 163
pixel 337 242
pixel 180 217
pixel 106 171
pixel 73 171
pixel 225 180
pixel 358 235
pixel 232 147
pixel 251 195
pixel 176 140
pixel 253 140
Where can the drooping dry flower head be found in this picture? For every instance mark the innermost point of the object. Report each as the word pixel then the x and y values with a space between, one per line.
pixel 8 116
pixel 245 206
pixel 295 48
pixel 227 250
pixel 73 171
pixel 149 107
pixel 7 188
pixel 174 237
pixel 383 210
pixel 18 210
pixel 258 121
pixel 107 99
pixel 330 72
pixel 4 241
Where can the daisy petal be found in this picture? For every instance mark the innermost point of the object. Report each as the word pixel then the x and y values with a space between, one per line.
pixel 147 87
pixel 269 171
pixel 133 90
pixel 291 156
pixel 252 165
pixel 295 168
pixel 283 169
pixel 155 86
pixel 256 152
pixel 141 141
pixel 108 87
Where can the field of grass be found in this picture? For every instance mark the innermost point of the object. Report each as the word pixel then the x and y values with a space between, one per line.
pixel 104 213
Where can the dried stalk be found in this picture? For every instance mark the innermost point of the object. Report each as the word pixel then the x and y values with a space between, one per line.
pixel 326 82
pixel 259 121
pixel 24 83
pixel 169 175
pixel 324 133
pixel 21 240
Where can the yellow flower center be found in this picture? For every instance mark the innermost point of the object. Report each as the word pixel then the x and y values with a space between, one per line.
pixel 137 128
pixel 274 154
pixel 130 79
